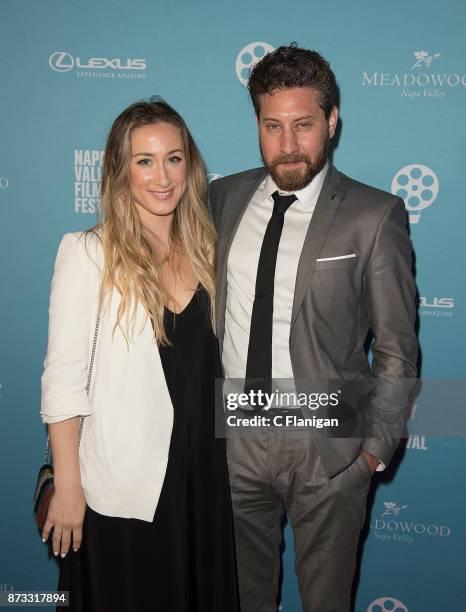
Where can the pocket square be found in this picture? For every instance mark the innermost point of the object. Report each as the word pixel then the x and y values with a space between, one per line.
pixel 337 257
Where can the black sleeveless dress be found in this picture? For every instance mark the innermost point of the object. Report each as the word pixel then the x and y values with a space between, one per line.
pixel 184 561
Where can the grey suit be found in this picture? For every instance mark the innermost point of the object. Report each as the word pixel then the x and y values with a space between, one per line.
pixel 336 303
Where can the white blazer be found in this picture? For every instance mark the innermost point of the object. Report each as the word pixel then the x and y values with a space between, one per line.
pixel 129 414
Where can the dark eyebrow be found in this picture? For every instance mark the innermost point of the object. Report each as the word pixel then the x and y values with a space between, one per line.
pixel 299 118
pixel 151 155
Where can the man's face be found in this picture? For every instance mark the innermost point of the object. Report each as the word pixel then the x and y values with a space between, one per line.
pixel 294 136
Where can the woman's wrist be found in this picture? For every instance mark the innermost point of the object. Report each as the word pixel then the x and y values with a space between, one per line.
pixel 67 482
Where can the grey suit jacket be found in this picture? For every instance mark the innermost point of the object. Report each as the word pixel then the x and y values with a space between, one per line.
pixel 337 302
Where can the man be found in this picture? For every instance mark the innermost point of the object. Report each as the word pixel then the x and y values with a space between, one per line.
pixel 308 263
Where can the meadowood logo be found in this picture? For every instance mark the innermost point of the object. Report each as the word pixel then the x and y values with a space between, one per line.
pixel 423 59
pixel 388 528
pixel 417 84
pixel 62 61
pixel 392 509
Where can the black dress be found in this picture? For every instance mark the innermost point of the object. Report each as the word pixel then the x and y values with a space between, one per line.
pixel 184 561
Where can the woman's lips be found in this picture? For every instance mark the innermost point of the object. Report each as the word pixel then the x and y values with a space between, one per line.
pixel 162 195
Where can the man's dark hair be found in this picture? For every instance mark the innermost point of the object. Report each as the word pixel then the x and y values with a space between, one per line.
pixel 292 66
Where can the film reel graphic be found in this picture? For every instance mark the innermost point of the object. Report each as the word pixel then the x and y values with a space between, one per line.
pixel 248 58
pixel 387 604
pixel 418 186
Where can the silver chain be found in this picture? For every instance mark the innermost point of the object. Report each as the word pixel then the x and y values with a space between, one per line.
pixel 88 385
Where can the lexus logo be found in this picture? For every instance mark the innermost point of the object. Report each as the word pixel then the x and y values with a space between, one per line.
pixel 3 182
pixel 61 61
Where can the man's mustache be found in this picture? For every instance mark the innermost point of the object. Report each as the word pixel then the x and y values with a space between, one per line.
pixel 294 158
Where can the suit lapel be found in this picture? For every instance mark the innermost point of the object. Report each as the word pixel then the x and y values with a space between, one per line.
pixel 234 205
pixel 324 212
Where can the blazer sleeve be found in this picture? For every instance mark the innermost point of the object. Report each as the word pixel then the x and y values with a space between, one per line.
pixel 72 315
pixel 391 299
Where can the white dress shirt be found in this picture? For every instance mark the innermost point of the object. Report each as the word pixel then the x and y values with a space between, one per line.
pixel 242 266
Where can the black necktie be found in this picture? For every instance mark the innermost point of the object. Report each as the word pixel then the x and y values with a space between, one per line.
pixel 259 360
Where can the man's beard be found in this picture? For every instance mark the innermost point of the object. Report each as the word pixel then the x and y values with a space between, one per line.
pixel 296 179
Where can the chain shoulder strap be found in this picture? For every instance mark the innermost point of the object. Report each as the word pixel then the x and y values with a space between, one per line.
pixel 88 384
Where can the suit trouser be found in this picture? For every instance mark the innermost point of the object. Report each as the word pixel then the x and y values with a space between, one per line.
pixel 278 471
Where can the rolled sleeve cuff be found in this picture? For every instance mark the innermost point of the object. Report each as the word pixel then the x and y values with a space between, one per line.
pixel 54 412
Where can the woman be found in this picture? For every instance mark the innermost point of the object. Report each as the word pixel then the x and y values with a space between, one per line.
pixel 144 501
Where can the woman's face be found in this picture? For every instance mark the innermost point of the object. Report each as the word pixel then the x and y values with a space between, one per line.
pixel 157 170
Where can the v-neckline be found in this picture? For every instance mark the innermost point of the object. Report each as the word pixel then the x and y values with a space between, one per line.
pixel 177 314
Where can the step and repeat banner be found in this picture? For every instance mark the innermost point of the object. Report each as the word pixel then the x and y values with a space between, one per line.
pixel 69 68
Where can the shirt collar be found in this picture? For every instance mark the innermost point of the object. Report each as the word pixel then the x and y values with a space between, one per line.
pixel 307 196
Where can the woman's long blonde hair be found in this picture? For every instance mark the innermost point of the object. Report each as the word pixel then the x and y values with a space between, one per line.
pixel 130 264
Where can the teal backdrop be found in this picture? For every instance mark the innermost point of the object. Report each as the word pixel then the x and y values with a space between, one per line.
pixel 69 68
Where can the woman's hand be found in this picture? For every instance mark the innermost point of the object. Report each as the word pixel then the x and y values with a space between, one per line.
pixel 66 517
pixel 68 504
